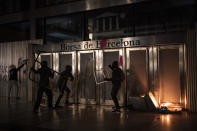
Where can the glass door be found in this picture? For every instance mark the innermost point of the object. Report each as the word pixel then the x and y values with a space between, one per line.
pixel 87 86
pixel 108 57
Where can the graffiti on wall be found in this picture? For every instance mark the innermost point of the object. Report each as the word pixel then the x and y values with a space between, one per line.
pixel 3 72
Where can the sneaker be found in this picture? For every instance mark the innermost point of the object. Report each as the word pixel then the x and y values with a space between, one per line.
pixel 114 107
pixel 116 110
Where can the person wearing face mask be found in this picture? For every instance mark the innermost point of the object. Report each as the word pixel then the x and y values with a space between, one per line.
pixel 117 78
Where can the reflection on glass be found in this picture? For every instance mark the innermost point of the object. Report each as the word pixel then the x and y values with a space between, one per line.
pixel 61 29
pixel 169 76
pixel 166 120
pixel 86 77
pixel 137 74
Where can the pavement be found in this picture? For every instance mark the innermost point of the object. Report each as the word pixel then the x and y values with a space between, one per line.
pixel 18 115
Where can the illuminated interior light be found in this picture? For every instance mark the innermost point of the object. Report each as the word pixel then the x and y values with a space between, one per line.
pixel 120 53
pixel 172 106
pixel 142 96
pixel 166 104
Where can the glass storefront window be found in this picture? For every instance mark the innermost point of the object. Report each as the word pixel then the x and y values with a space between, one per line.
pixel 109 23
pixel 61 29
pixel 15 32
pixel 135 20
pixel 116 22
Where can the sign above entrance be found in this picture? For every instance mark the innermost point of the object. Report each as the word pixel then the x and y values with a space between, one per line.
pixel 112 43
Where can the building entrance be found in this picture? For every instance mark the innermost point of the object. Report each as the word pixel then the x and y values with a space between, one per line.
pixel 108 57
pixel 67 58
pixel 137 72
pixel 87 86
pixel 159 70
pixel 171 87
pixel 156 69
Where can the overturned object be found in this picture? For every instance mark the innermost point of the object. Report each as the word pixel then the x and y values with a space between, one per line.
pixel 137 103
pixel 149 103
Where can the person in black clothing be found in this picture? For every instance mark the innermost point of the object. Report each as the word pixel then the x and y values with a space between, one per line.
pixel 117 78
pixel 13 79
pixel 45 73
pixel 62 84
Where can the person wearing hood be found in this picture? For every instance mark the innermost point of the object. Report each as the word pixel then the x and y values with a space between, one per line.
pixel 62 84
pixel 117 78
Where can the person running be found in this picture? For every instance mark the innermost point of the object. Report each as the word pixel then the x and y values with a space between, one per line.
pixel 62 84
pixel 13 79
pixel 117 78
pixel 45 73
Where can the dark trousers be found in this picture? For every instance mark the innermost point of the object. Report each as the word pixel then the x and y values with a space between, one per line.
pixel 61 94
pixel 114 92
pixel 48 92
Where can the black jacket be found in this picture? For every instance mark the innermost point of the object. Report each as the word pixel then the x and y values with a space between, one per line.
pixel 117 75
pixel 13 73
pixel 64 78
pixel 45 74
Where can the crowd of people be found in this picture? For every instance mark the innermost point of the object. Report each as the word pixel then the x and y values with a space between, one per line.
pixel 46 73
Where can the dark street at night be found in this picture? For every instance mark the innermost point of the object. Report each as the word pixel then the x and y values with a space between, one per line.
pixel 98 65
pixel 19 116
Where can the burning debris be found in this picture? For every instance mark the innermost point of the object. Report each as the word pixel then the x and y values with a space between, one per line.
pixel 149 103
pixel 170 108
pixel 166 107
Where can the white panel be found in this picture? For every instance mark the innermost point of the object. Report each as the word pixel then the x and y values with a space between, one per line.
pixel 11 53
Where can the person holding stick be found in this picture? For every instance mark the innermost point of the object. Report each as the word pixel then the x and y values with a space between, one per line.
pixel 117 78
pixel 45 73
pixel 13 79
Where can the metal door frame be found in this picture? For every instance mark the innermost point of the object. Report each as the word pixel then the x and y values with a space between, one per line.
pixel 73 60
pixel 85 100
pixel 43 54
pixel 182 68
pixel 73 53
pixel 128 50
pixel 122 90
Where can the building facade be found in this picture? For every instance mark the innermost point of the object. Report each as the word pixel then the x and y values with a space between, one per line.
pixel 154 42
